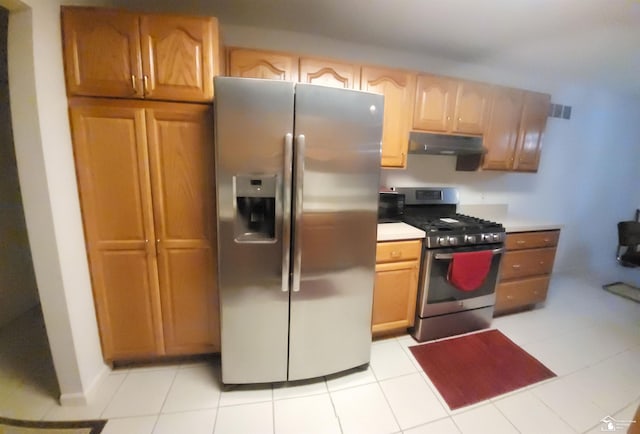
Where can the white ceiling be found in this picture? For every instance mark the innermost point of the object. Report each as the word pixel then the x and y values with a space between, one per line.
pixel 597 41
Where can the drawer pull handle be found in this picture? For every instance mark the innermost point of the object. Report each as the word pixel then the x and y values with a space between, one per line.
pixel 520 242
pixel 536 292
pixel 395 254
pixel 516 266
pixel 541 262
pixel 546 240
pixel 509 297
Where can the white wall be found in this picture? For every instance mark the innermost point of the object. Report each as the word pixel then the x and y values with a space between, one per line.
pixel 47 178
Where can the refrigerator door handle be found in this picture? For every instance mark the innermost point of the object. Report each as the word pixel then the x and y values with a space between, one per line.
pixel 286 210
pixel 297 243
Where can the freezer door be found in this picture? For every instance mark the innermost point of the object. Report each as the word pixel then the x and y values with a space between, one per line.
pixel 253 128
pixel 337 168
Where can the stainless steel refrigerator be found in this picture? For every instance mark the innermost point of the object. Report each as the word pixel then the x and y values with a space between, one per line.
pixel 297 174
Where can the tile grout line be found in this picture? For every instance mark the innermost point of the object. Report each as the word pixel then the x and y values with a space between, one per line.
pixel 114 394
pixel 215 421
pixel 164 401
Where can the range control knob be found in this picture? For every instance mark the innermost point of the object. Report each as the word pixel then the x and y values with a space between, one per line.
pixel 496 237
pixel 442 241
pixel 470 239
pixel 487 237
pixel 453 241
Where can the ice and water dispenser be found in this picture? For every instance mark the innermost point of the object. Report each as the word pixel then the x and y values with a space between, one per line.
pixel 255 200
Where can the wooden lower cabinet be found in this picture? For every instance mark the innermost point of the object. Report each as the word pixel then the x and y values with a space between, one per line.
pixel 396 285
pixel 146 184
pixel 525 270
pixel 522 292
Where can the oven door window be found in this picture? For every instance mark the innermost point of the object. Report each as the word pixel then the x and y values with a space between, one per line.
pixel 439 290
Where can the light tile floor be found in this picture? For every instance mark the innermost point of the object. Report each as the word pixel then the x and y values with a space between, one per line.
pixel 589 337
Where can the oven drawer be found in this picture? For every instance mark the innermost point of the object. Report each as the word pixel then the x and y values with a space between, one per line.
pixel 531 240
pixel 518 293
pixel 394 251
pixel 527 263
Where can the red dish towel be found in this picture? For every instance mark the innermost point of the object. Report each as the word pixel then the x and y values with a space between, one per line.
pixel 468 270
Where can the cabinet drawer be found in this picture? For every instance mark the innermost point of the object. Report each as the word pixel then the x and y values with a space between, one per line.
pixel 522 292
pixel 524 263
pixel 398 251
pixel 531 240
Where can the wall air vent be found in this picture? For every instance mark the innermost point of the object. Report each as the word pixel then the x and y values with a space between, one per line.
pixel 559 111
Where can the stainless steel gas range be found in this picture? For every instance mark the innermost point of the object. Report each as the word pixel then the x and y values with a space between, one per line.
pixel 443 308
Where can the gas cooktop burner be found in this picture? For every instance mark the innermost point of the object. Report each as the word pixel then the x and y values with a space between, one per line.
pixel 434 211
pixel 458 223
pixel 457 230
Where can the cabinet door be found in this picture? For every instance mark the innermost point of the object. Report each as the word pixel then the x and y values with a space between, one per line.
pixel 329 73
pixel 262 64
pixel 523 263
pixel 435 100
pixel 394 296
pixel 178 57
pixel 532 124
pixel 101 52
pixel 502 132
pixel 182 174
pixel 398 88
pixel 471 107
pixel 520 293
pixel 110 149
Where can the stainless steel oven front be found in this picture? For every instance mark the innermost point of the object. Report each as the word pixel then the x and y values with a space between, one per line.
pixel 440 304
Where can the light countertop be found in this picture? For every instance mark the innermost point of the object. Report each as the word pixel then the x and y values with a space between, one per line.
pixel 398 231
pixel 512 223
pixel 518 224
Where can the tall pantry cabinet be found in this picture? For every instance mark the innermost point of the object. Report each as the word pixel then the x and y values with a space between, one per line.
pixel 145 175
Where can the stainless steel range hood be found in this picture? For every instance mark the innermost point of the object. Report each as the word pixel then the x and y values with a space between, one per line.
pixel 441 144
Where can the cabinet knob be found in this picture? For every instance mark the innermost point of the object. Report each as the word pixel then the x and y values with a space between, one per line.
pixel 448 118
pixel 459 119
pixel 520 242
pixel 516 266
pixel 509 297
pixel 536 292
pixel 546 240
pixel 541 262
pixel 395 254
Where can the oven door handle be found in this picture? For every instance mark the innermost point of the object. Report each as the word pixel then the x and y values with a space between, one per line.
pixel 450 255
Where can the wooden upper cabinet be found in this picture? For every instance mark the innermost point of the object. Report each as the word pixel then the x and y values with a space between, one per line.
pixel 182 175
pixel 471 107
pixel 110 151
pixel 435 100
pixel 515 129
pixel 329 73
pixel 262 64
pixel 178 57
pixel 448 105
pixel 102 52
pixel 532 125
pixel 398 88
pixel 126 55
pixel 501 134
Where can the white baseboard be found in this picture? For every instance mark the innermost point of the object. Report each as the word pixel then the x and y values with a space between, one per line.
pixel 79 399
